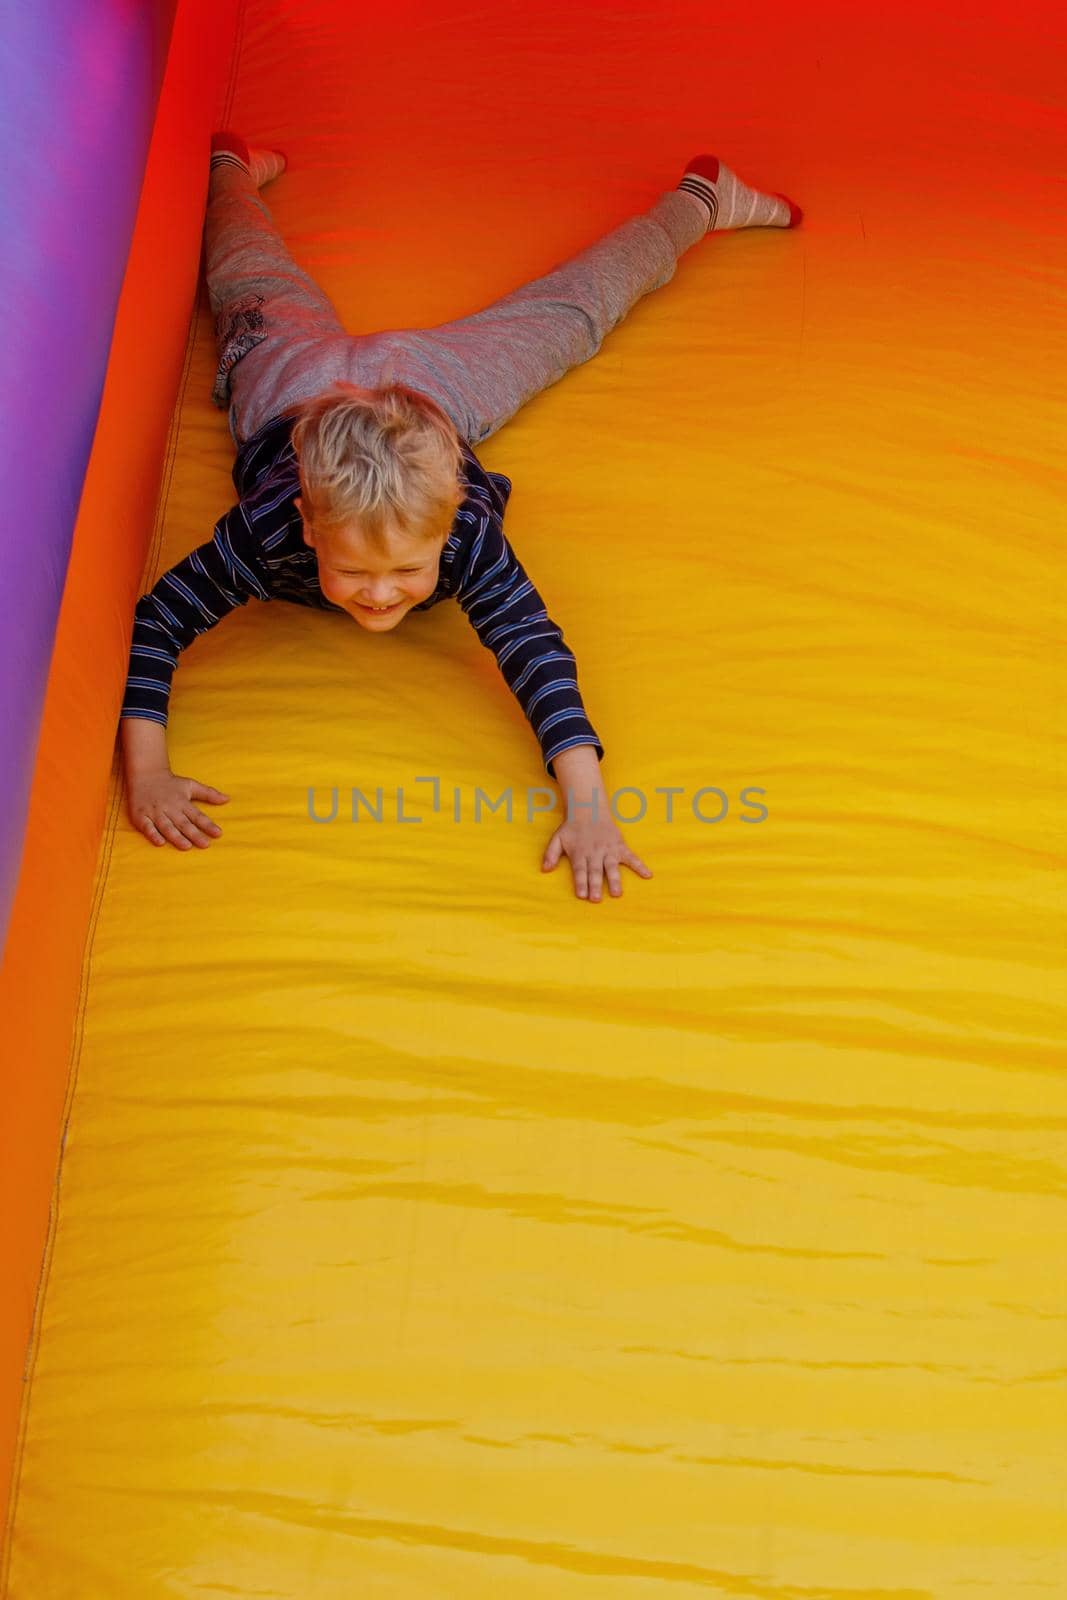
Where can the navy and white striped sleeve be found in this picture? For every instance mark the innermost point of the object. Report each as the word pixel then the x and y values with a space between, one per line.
pixel 187 600
pixel 510 619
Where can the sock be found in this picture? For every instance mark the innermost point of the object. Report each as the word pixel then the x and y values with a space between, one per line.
pixel 731 203
pixel 229 152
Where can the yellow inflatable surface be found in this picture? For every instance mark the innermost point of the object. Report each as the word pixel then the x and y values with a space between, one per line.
pixel 426 1231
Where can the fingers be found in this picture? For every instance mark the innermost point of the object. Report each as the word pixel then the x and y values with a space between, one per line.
pixel 590 872
pixel 163 808
pixel 588 877
pixel 161 830
pixel 552 854
pixel 183 831
pixel 635 864
pixel 203 823
pixel 204 791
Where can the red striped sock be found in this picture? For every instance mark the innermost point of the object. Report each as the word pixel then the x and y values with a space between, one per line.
pixel 729 203
pixel 230 152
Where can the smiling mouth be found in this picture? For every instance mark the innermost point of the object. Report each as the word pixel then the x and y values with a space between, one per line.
pixel 378 611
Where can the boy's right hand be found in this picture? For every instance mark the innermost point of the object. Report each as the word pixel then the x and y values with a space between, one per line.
pixel 161 806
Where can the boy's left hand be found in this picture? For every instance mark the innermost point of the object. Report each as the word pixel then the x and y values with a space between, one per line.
pixel 596 849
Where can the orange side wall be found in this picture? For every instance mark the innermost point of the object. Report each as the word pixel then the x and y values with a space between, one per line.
pixel 39 981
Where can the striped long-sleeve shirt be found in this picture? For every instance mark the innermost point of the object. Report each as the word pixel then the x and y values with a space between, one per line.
pixel 258 552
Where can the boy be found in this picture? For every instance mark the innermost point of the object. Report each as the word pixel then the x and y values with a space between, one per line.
pixel 358 489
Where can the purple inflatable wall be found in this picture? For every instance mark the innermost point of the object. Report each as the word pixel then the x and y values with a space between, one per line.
pixel 80 87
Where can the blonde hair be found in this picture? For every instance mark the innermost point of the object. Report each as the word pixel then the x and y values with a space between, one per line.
pixel 387 459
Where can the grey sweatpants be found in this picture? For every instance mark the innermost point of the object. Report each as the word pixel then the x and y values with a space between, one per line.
pixel 281 340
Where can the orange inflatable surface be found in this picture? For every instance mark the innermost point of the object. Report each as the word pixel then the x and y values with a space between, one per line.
pixel 421 1230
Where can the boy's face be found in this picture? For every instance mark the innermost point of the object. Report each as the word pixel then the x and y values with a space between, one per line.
pixel 363 580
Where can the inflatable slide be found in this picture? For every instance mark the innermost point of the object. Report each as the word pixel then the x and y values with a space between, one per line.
pixel 381 1218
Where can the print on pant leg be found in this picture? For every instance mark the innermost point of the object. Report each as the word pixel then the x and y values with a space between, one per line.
pixel 239 327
